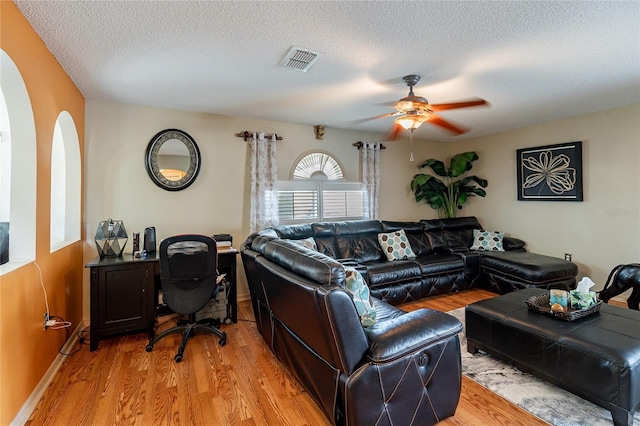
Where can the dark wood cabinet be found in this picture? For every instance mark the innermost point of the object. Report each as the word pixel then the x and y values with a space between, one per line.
pixel 124 293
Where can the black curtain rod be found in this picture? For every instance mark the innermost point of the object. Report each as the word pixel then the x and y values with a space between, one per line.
pixel 359 145
pixel 246 135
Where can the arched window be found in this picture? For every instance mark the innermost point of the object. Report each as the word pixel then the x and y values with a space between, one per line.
pixel 18 175
pixel 317 164
pixel 318 191
pixel 65 183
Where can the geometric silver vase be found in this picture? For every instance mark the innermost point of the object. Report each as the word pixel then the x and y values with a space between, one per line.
pixel 111 237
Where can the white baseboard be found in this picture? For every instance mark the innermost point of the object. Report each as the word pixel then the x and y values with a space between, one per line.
pixel 30 404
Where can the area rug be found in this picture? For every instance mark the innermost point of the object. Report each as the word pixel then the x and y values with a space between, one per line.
pixel 546 401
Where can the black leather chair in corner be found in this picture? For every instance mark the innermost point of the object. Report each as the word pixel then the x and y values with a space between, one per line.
pixel 188 273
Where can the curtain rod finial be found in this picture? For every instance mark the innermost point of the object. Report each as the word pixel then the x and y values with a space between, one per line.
pixel 360 144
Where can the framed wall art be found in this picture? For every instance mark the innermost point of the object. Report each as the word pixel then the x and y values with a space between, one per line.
pixel 550 173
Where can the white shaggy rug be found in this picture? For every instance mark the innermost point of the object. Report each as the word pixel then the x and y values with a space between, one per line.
pixel 546 401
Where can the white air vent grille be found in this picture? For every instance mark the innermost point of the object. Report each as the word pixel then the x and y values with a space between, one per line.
pixel 300 59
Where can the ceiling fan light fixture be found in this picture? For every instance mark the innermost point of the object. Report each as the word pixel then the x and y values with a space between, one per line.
pixel 411 120
pixel 411 103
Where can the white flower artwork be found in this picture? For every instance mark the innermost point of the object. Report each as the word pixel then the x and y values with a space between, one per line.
pixel 554 171
pixel 550 173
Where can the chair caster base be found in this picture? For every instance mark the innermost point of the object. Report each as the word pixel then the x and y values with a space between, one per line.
pixel 149 347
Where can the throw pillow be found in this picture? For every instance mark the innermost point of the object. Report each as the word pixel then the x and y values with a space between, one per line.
pixel 395 245
pixel 487 240
pixel 361 297
pixel 309 243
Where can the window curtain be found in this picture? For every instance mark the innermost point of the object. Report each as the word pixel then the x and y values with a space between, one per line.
pixel 264 176
pixel 371 178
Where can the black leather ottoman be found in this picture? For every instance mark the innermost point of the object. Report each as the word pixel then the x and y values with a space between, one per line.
pixel 504 272
pixel 596 357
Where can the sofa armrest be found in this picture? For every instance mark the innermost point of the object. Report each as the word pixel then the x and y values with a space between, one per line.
pixel 513 244
pixel 402 335
pixel 452 250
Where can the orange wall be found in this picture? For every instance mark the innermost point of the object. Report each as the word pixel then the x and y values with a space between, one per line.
pixel 26 351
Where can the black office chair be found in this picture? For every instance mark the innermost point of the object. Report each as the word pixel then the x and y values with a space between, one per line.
pixel 188 273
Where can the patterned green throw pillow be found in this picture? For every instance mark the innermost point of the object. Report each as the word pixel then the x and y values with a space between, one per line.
pixel 361 297
pixel 395 245
pixel 487 240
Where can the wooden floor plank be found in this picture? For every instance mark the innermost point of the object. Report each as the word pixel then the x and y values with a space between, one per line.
pixel 241 383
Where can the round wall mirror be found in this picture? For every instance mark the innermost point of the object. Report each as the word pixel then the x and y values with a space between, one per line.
pixel 172 159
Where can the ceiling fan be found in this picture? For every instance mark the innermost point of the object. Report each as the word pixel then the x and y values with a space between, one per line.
pixel 412 111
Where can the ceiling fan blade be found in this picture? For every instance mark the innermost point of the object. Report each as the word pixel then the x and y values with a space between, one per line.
pixel 454 105
pixel 364 120
pixel 392 134
pixel 439 121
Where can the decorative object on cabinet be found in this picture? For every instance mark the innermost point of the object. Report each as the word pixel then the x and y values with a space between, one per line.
pixel 550 172
pixel 111 237
pixel 172 159
pixel 149 245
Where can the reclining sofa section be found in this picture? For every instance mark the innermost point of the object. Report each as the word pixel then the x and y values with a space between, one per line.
pixel 444 262
pixel 406 368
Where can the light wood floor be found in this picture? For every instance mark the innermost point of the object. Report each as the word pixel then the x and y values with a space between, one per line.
pixel 241 383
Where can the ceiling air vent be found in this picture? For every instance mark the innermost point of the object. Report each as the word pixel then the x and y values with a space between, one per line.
pixel 300 59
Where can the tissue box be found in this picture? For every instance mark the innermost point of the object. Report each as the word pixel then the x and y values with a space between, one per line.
pixel 582 300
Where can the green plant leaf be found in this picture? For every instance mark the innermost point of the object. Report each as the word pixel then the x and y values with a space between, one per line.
pixel 461 163
pixel 437 166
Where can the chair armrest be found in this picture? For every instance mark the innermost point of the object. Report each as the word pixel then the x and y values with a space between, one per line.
pixel 396 337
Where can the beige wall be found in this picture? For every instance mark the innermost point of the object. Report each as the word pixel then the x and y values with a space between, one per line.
pixel 118 187
pixel 603 230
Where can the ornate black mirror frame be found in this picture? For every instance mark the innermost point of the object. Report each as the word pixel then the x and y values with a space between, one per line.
pixel 153 168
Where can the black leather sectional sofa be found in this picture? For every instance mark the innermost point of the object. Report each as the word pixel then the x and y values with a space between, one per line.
pixel 405 369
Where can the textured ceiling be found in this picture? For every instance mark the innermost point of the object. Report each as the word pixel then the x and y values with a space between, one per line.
pixel 533 61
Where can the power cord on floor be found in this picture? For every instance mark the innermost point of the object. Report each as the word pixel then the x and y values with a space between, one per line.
pixel 66 339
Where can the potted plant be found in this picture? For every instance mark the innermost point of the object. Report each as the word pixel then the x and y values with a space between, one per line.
pixel 448 195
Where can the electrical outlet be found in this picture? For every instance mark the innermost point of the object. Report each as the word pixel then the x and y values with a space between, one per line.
pixel 568 256
pixel 46 320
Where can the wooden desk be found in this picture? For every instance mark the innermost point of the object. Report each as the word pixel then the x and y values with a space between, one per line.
pixel 124 293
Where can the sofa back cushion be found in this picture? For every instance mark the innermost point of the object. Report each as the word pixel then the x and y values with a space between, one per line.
pixel 324 234
pixel 415 233
pixel 308 263
pixel 451 233
pixel 294 232
pixel 358 240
